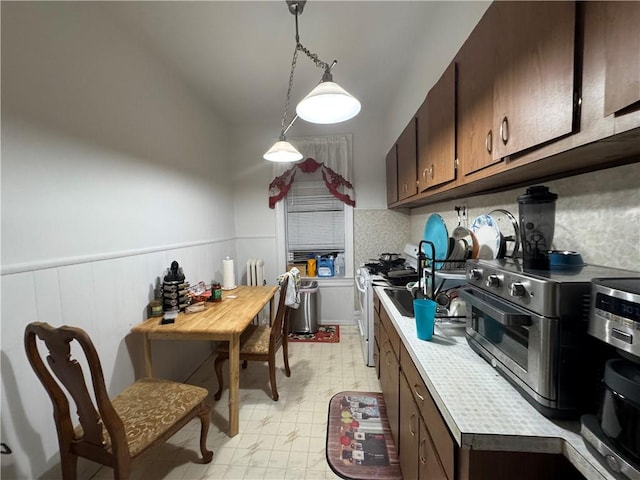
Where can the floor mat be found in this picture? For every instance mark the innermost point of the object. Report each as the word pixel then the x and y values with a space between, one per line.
pixel 359 441
pixel 325 333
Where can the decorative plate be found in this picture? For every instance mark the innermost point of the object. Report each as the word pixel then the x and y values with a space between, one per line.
pixel 435 231
pixel 488 235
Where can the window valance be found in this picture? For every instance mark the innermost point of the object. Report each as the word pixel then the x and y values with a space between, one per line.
pixel 331 154
pixel 336 184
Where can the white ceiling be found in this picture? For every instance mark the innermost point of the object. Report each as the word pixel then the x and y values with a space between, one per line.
pixel 237 54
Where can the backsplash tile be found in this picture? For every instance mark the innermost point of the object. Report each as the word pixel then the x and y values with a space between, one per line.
pixel 597 215
pixel 378 231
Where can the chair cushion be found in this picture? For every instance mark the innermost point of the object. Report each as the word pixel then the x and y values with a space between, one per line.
pixel 149 407
pixel 254 340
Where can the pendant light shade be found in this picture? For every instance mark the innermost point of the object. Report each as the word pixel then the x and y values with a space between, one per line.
pixel 282 151
pixel 328 103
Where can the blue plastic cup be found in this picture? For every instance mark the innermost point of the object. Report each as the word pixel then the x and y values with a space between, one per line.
pixel 425 313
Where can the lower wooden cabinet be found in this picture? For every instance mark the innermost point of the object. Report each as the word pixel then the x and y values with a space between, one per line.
pixel 390 377
pixel 409 433
pixel 439 437
pixel 418 456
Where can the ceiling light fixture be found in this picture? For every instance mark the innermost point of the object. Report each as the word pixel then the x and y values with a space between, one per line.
pixel 325 104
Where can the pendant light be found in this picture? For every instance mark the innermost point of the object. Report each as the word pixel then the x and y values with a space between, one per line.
pixel 327 103
pixel 282 151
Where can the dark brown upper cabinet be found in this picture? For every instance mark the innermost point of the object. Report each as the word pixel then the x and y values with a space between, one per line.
pixel 436 123
pixel 392 175
pixel 543 90
pixel 515 81
pixel 622 47
pixel 533 89
pixel 474 96
pixel 407 185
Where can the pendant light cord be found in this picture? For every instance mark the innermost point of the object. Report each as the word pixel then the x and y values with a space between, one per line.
pixel 318 63
pixel 286 105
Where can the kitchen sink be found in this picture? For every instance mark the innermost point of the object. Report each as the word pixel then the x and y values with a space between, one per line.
pixel 402 299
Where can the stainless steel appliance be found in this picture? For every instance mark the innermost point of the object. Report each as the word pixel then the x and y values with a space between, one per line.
pixel 614 434
pixel 532 327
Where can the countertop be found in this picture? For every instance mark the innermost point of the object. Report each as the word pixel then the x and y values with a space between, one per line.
pixel 482 409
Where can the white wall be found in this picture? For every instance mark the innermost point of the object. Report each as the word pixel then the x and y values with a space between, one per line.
pixel 111 169
pixel 450 25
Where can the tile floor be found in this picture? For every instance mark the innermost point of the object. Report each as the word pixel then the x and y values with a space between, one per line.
pixel 277 440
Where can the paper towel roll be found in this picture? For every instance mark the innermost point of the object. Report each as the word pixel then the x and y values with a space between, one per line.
pixel 228 277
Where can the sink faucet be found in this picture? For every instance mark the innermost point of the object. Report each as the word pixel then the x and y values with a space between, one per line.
pixel 421 291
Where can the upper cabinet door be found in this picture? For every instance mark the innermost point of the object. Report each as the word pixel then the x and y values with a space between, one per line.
pixel 475 61
pixel 533 90
pixel 436 126
pixel 622 46
pixel 392 175
pixel 407 162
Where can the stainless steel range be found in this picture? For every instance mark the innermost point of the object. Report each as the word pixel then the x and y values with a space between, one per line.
pixel 532 327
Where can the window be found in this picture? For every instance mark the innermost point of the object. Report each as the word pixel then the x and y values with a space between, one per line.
pixel 310 219
pixel 315 219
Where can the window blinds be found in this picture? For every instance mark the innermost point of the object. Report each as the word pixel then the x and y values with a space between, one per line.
pixel 315 218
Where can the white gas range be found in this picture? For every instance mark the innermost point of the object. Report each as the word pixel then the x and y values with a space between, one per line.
pixel 365 280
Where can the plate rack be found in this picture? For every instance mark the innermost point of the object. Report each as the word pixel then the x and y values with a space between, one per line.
pixel 425 263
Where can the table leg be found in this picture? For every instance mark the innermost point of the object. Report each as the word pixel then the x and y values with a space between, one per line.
pixel 148 370
pixel 234 385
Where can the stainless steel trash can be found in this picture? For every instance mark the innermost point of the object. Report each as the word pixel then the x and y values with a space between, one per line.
pixel 304 319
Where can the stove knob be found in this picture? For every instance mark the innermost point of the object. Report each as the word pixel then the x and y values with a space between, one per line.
pixel 493 281
pixel 475 274
pixel 517 290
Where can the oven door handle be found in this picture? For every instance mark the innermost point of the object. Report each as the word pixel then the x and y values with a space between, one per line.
pixel 510 319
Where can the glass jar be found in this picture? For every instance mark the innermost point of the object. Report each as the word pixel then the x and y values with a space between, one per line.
pixel 216 292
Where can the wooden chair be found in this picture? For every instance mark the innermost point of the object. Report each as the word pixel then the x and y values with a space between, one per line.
pixel 261 343
pixel 113 432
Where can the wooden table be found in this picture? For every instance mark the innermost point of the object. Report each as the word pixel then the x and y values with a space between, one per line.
pixel 225 320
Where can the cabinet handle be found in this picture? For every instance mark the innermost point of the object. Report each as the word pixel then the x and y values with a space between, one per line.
pixel 424 174
pixel 412 429
pixel 415 390
pixel 504 130
pixel 488 141
pixel 422 451
pixel 431 170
